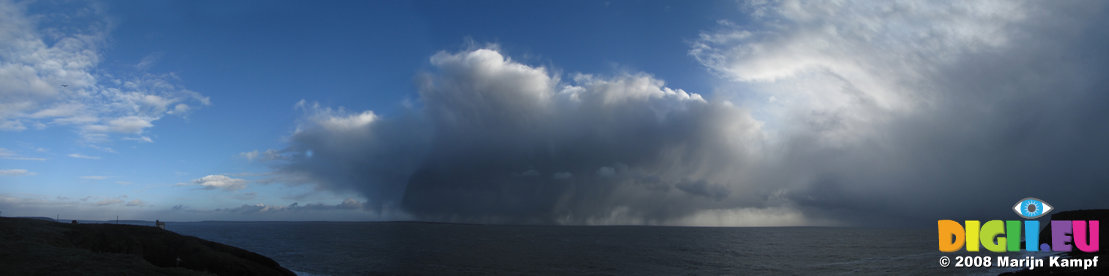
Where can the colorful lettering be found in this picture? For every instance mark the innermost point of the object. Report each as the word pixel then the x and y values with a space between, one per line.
pixel 1004 236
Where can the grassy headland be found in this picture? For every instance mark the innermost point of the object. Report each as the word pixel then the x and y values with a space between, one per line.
pixel 35 247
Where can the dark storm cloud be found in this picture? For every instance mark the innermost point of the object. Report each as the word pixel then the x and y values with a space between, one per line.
pixel 497 140
pixel 845 112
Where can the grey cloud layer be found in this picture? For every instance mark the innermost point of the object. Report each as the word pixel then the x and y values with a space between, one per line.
pixel 905 110
pixel 841 112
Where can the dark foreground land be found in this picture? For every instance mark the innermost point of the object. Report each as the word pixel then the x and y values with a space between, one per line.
pixel 37 247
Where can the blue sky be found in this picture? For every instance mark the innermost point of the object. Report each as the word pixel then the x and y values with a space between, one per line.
pixel 574 112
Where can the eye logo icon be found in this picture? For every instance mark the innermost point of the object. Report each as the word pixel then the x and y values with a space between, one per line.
pixel 1031 208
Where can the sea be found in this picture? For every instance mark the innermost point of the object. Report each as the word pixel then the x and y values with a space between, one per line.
pixel 362 248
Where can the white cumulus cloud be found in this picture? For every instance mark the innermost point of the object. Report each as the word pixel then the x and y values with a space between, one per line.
pixel 488 125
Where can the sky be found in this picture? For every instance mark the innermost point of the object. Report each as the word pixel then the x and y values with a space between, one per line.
pixel 704 113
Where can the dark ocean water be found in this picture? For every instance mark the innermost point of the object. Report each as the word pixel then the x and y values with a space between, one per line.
pixel 359 248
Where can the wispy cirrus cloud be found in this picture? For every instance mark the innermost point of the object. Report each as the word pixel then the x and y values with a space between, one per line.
pixel 109 201
pixel 10 155
pixel 82 156
pixel 15 172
